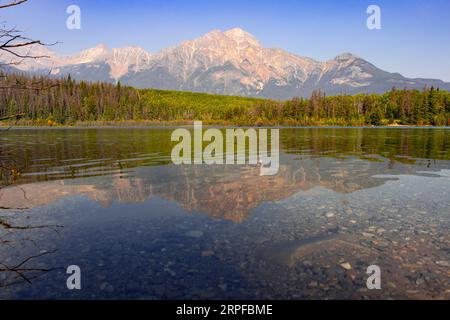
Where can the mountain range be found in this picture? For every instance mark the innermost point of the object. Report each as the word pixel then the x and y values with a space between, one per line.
pixel 231 63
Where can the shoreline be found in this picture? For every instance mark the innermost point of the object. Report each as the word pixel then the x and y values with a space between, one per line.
pixel 162 125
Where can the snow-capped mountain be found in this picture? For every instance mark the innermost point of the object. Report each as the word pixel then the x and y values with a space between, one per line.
pixel 117 62
pixel 231 62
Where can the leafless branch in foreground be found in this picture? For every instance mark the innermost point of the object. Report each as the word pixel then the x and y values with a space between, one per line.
pixel 12 4
pixel 16 45
pixel 22 272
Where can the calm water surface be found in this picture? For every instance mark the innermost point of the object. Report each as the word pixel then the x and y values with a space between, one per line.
pixel 111 202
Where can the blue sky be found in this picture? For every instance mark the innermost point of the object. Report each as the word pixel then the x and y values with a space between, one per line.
pixel 414 39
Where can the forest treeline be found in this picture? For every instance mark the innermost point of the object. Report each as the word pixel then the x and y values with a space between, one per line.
pixel 49 101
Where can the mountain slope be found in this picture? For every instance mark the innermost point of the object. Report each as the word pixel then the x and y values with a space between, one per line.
pixel 232 63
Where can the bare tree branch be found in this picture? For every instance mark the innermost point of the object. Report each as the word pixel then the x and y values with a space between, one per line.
pixel 13 42
pixel 33 86
pixel 12 4
pixel 16 116
pixel 19 48
pixel 8 226
pixel 19 270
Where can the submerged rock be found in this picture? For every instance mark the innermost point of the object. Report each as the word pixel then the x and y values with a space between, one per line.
pixel 207 253
pixel 195 234
pixel 346 266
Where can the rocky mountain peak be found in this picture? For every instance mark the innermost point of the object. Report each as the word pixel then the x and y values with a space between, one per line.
pixel 99 52
pixel 346 56
pixel 242 37
pixel 229 62
pixel 126 59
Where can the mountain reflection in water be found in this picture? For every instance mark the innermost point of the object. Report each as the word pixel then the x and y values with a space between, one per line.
pixel 225 192
pixel 132 165
pixel 102 198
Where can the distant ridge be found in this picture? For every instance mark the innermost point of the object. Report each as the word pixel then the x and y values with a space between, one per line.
pixel 231 63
